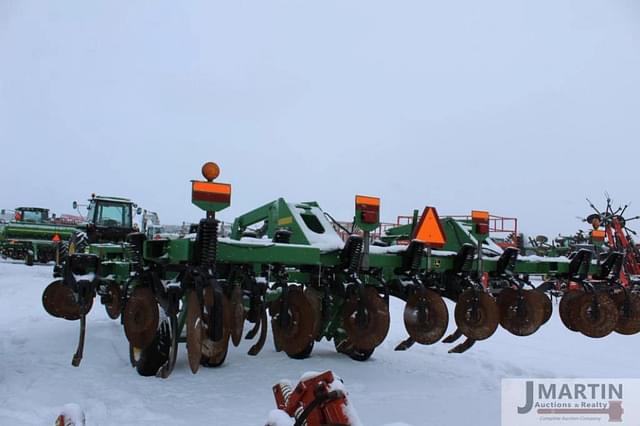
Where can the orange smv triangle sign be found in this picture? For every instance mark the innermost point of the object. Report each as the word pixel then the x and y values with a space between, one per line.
pixel 429 229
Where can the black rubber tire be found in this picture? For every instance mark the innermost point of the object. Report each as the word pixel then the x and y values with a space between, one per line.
pixel 304 354
pixel 355 354
pixel 63 251
pixel 153 357
pixel 360 356
pixel 79 240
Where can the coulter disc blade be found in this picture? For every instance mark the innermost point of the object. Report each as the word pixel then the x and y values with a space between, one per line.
pixel 595 315
pixel 477 314
pixel 237 316
pixel 629 315
pixel 194 331
pixel 505 297
pixel 369 331
pixel 114 307
pixel 215 352
pixel 544 302
pixel 567 300
pixel 298 335
pixel 59 302
pixel 426 317
pixel 315 300
pixel 141 318
pixel 521 313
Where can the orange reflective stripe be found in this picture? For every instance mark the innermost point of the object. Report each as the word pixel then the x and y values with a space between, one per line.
pixel 212 187
pixel 598 235
pixel 367 201
pixel 479 216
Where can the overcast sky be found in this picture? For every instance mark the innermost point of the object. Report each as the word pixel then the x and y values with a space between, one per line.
pixel 523 108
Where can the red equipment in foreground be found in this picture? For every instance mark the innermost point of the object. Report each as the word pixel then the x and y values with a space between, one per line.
pixel 316 401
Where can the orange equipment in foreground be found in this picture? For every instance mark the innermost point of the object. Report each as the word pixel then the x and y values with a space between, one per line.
pixel 317 400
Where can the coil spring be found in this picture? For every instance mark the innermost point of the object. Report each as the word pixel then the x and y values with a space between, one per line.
pixel 136 254
pixel 134 248
pixel 353 248
pixel 136 257
pixel 286 390
pixel 416 257
pixel 207 242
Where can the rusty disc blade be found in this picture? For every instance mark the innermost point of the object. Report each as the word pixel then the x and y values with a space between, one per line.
pixel 426 317
pixel 368 332
pixel 194 331
pixel 114 307
pixel 141 318
pixel 521 313
pixel 629 315
pixel 237 316
pixel 506 296
pixel 214 353
pixel 595 315
pixel 315 300
pixel 296 337
pixel 545 304
pixel 58 301
pixel 207 296
pixel 565 302
pixel 477 314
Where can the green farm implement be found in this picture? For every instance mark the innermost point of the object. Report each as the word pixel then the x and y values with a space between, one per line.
pixel 293 268
pixel 32 236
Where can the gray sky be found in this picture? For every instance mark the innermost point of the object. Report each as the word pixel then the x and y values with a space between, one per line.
pixel 522 108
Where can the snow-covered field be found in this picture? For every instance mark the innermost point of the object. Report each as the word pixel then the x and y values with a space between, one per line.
pixel 424 386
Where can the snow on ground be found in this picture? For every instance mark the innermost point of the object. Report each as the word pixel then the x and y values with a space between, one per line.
pixel 424 386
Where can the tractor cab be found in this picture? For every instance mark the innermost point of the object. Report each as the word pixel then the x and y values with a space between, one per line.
pixel 31 215
pixel 109 219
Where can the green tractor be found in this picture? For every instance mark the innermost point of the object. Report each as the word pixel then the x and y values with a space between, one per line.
pixel 109 219
pixel 32 236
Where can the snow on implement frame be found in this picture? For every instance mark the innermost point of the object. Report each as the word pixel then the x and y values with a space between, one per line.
pixel 285 265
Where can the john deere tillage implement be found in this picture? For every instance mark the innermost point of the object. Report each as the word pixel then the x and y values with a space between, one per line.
pixel 286 264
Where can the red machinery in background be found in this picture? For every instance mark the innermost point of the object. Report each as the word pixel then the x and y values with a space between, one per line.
pixel 618 236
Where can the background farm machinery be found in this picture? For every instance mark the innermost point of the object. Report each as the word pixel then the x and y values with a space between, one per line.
pixel 615 236
pixel 33 236
pixel 108 219
pixel 285 265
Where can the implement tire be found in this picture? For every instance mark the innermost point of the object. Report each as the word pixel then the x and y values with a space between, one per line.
pixel 154 356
